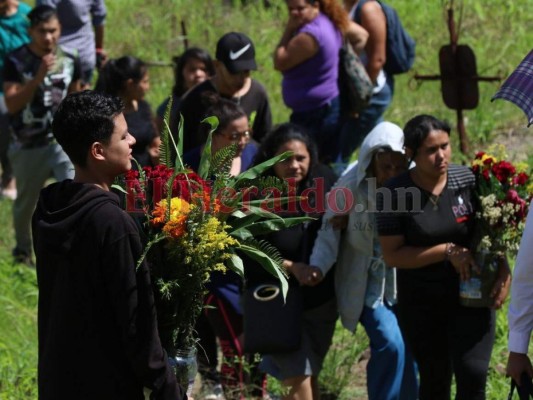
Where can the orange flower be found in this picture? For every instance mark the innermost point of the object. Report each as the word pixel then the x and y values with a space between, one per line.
pixel 176 227
pixel 179 209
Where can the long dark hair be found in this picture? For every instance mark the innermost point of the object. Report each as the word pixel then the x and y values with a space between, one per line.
pixel 116 72
pixel 417 129
pixel 278 137
pixel 180 61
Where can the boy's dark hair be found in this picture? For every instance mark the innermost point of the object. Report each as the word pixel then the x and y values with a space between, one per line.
pixel 82 119
pixel 417 129
pixel 42 13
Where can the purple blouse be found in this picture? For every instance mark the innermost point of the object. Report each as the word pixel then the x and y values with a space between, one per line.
pixel 313 83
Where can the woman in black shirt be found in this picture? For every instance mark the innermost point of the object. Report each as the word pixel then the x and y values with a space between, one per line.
pixel 425 225
pixel 127 77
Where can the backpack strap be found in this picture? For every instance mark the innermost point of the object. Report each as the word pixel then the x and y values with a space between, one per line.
pixel 357 14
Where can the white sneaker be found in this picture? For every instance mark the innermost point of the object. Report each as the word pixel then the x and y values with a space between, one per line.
pixel 9 193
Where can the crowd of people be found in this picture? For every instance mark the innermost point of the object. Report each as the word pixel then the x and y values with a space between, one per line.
pixel 394 270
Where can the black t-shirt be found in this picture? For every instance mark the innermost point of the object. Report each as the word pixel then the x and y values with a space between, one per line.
pixel 296 244
pixel 423 222
pixel 141 126
pixel 34 121
pixel 254 103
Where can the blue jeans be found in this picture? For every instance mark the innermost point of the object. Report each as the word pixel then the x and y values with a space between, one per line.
pixel 391 371
pixel 322 124
pixel 354 130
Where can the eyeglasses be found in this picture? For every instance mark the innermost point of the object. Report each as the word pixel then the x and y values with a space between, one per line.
pixel 236 136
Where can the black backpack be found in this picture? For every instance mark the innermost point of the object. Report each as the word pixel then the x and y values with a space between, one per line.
pixel 400 45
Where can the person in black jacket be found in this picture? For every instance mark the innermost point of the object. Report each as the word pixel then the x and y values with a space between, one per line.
pixel 97 326
pixel 298 370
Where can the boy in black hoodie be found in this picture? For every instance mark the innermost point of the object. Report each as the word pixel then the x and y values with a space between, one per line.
pixel 98 335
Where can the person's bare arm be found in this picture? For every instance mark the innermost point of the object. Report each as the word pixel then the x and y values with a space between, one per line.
pixel 295 51
pixel 397 254
pixel 373 20
pixel 357 36
pixel 17 95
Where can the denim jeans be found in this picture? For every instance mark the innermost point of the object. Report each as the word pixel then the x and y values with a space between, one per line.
pixel 5 136
pixel 391 371
pixel 354 130
pixel 322 124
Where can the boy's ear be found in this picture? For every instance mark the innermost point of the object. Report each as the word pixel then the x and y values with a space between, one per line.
pixel 97 151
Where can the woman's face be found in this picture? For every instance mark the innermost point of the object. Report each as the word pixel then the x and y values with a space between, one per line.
pixel 194 72
pixel 433 156
pixel 237 131
pixel 296 166
pixel 137 90
pixel 301 11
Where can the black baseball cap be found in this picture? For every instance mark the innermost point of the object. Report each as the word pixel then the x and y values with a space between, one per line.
pixel 236 51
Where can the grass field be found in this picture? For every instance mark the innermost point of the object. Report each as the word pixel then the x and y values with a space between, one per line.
pixel 499 31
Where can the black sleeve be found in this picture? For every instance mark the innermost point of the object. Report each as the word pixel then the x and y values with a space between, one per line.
pixel 132 301
pixel 262 123
pixel 10 72
pixel 76 76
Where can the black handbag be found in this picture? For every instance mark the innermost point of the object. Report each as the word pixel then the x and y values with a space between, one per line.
pixel 524 391
pixel 270 324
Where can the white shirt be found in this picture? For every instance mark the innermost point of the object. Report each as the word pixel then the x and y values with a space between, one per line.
pixel 520 314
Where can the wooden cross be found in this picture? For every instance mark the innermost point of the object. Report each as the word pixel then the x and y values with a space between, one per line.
pixel 459 78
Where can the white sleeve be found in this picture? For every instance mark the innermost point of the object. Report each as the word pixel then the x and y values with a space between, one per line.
pixel 326 247
pixel 520 315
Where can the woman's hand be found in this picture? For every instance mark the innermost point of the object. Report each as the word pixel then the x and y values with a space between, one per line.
pixel 462 260
pixel 500 290
pixel 304 274
pixel 339 222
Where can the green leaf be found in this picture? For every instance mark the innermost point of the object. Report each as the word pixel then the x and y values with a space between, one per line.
pixel 119 188
pixel 237 265
pixel 265 227
pixel 270 265
pixel 254 172
pixel 205 160
pixel 164 147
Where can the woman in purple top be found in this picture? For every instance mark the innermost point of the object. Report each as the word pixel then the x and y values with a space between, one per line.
pixel 308 57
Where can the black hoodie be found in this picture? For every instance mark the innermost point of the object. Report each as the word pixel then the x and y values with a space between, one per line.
pixel 98 335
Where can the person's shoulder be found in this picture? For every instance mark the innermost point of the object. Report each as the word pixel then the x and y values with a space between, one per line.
pixel 24 9
pixel 113 222
pixel 400 181
pixel 257 86
pixel 20 53
pixel 460 176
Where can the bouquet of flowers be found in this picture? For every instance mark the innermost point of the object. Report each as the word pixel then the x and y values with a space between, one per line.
pixel 503 192
pixel 195 226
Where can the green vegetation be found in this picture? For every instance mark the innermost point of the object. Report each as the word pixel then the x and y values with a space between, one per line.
pixel 499 31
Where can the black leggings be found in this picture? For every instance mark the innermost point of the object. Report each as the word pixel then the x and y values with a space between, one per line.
pixel 447 339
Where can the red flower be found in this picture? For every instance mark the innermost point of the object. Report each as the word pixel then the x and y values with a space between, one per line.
pixel 485 174
pixel 489 161
pixel 520 179
pixel 503 170
pixel 479 155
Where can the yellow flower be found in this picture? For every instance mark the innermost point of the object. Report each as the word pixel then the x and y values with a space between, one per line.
pixel 179 210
